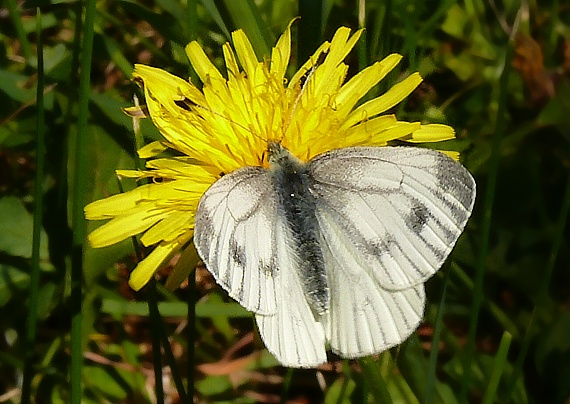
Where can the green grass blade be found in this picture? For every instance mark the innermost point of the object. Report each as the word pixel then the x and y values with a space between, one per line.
pixel 487 219
pixel 362 45
pixel 430 391
pixel 156 326
pixel 156 331
pixel 191 19
pixel 375 381
pixel 310 28
pixel 174 371
pixel 411 37
pixel 498 369
pixel 79 191
pixel 542 296
pixel 245 15
pixel 192 24
pixel 286 385
pixel 499 314
pixel 160 340
pixel 379 44
pixel 16 18
pixel 428 27
pixel 191 333
pixel 32 319
pixel 117 56
pixel 210 5
pixel 412 366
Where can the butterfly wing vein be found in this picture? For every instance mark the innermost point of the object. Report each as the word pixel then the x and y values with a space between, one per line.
pixel 235 236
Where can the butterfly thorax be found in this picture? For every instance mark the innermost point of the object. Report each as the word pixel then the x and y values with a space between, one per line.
pixel 292 181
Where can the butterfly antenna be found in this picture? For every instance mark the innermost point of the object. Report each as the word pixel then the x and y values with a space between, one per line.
pixel 188 104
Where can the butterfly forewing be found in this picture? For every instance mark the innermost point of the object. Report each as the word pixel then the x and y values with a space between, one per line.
pixel 401 208
pixel 235 236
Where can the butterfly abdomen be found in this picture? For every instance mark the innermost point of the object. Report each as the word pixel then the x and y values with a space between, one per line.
pixel 291 181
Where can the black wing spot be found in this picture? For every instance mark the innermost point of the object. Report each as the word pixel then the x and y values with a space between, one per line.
pixel 417 218
pixel 238 253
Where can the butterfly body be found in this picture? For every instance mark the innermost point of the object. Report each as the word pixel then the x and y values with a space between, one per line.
pixel 292 183
pixel 334 251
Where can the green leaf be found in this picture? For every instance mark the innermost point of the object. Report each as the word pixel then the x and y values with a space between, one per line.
pixel 100 379
pixel 498 369
pixel 104 158
pixel 117 56
pixel 339 392
pixel 16 230
pixel 54 56
pixel 11 280
pixel 111 105
pixel 455 22
pixel 212 385
pixel 376 382
pixel 13 84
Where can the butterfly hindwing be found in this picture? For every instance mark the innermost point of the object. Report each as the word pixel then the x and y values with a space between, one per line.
pixel 293 334
pixel 235 236
pixel 402 208
pixel 363 318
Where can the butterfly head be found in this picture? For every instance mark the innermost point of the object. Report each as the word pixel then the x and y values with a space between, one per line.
pixel 276 153
pixel 281 157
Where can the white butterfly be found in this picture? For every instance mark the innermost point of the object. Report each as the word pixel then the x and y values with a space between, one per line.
pixel 336 250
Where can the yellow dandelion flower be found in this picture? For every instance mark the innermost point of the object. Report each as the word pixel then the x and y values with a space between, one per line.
pixel 251 140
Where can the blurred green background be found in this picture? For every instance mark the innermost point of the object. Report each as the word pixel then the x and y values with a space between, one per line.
pixel 497 323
